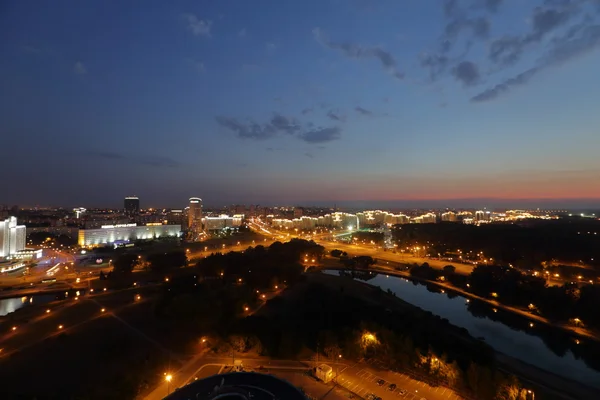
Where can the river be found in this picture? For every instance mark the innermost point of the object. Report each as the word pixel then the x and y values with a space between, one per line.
pixel 11 305
pixel 516 343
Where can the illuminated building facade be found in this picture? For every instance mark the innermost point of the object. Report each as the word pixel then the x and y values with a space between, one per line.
pixel 222 222
pixel 109 234
pixel 195 216
pixel 12 237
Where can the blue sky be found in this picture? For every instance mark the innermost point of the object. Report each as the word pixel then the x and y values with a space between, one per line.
pixel 300 102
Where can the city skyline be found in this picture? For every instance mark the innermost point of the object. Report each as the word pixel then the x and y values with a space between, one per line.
pixel 431 104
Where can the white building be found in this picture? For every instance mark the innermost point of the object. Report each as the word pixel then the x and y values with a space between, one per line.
pixel 12 237
pixel 222 222
pixel 449 216
pixel 108 234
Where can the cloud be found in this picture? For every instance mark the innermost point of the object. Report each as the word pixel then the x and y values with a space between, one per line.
pixel 321 135
pixel 577 41
pixel 284 124
pixel 356 51
pixel 466 72
pixel 507 50
pixel 307 111
pixel 248 130
pixel 278 124
pixel 270 149
pixel 198 27
pixel 270 46
pixel 242 33
pixel 309 155
pixel 494 92
pixel 363 111
pixel 79 68
pixel 335 117
pixel 200 66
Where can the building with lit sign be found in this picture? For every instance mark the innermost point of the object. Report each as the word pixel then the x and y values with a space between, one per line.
pixel 12 237
pixel 132 205
pixel 109 234
pixel 195 216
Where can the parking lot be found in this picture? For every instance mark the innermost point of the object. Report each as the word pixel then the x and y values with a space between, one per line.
pixel 364 381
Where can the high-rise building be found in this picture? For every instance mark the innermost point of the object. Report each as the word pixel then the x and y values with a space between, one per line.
pixel 132 205
pixel 12 237
pixel 195 215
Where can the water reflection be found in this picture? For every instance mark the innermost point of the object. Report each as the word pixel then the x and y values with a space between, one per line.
pixel 541 345
pixel 11 305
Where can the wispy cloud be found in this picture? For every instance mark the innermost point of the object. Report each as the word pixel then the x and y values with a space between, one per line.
pixel 322 135
pixel 336 116
pixel 577 41
pixel 307 111
pixel 199 66
pixel 79 68
pixel 242 33
pixel 363 111
pixel 197 26
pixel 278 124
pixel 355 51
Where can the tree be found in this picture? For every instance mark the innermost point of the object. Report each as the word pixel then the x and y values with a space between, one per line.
pixel 449 269
pixel 332 351
pixel 124 264
pixel 239 343
pixel 162 262
pixel 336 253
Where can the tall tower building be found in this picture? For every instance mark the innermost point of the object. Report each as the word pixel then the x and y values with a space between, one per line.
pixel 132 205
pixel 195 215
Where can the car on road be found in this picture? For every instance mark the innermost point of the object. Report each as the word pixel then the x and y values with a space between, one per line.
pixel 403 392
pixel 380 382
pixel 392 387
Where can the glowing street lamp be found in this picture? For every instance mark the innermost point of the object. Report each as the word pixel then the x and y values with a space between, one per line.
pixel 168 378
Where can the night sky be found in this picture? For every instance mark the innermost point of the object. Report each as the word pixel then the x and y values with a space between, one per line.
pixel 300 102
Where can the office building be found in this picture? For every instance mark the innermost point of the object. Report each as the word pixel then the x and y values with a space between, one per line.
pixel 195 216
pixel 132 205
pixel 111 234
pixel 12 237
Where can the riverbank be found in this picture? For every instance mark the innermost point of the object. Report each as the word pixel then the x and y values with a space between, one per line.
pixel 540 381
pixel 584 333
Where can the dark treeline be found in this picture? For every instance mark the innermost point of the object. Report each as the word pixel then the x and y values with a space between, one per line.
pixel 211 307
pixel 336 323
pixel 525 244
pixel 570 303
pixel 208 299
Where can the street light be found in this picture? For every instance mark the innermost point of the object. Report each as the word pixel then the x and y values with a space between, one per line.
pixel 168 378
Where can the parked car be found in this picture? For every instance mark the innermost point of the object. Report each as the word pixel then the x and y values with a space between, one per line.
pixel 392 387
